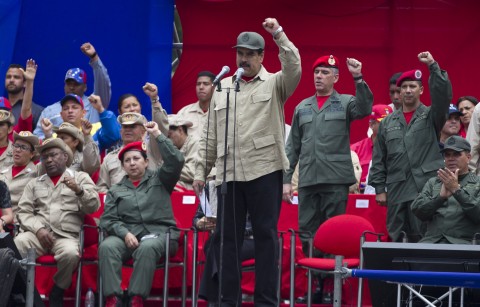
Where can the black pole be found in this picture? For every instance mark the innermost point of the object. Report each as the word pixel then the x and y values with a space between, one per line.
pixel 224 194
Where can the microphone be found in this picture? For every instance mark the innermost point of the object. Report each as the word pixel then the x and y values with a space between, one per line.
pixel 225 70
pixel 239 74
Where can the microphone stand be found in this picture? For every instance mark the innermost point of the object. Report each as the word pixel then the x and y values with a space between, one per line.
pixel 223 191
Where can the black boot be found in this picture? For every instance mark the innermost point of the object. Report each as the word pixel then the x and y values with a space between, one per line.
pixel 56 297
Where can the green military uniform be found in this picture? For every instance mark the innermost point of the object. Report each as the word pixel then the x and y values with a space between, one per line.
pixel 406 156
pixel 143 210
pixel 320 141
pixel 454 220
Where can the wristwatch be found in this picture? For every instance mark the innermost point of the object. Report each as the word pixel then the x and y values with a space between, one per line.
pixel 280 29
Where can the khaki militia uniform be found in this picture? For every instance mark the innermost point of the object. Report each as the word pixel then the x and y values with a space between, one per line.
pixel 88 160
pixel 58 209
pixel 190 152
pixel 195 114
pixel 6 159
pixel 17 184
pixel 254 176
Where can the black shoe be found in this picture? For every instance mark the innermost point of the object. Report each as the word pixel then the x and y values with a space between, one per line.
pixel 56 297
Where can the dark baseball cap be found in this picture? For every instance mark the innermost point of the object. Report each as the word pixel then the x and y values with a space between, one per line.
pixel 456 143
pixel 250 40
pixel 453 110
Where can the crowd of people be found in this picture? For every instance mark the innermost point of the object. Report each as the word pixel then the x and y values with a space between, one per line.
pixel 421 162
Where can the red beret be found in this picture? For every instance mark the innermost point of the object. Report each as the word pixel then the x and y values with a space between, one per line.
pixel 136 146
pixel 413 75
pixel 326 61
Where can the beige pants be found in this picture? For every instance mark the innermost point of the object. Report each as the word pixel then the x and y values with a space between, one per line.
pixel 66 253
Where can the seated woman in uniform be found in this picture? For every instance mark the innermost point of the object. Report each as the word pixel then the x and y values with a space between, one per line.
pixel 17 176
pixel 138 212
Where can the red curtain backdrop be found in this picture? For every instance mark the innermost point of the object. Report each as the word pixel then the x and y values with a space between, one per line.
pixel 385 35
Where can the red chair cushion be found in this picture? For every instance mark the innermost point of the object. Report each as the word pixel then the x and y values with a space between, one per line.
pixel 46 260
pixel 340 235
pixel 327 264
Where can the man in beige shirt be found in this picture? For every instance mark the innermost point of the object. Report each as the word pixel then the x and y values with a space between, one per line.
pixel 255 160
pixel 188 146
pixel 197 112
pixel 51 212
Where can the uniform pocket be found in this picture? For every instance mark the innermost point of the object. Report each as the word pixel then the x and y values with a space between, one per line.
pixel 335 123
pixel 265 149
pixel 70 200
pixel 261 98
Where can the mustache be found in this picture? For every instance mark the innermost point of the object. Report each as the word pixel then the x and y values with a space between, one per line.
pixel 244 64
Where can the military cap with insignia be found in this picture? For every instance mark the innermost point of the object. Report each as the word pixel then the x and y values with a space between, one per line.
pixel 326 61
pixel 72 131
pixel 134 146
pixel 250 40
pixel 131 118
pixel 26 136
pixel 411 75
pixel 456 143
pixel 55 143
pixel 176 120
pixel 7 117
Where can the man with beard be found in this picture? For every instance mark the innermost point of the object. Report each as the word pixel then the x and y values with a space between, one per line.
pixel 255 159
pixel 406 154
pixel 451 126
pixel 15 84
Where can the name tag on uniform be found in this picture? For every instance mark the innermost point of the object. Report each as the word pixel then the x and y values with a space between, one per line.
pixel 361 203
pixel 304 112
pixel 188 200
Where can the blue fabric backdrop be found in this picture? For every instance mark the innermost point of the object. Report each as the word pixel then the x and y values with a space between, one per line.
pixel 133 39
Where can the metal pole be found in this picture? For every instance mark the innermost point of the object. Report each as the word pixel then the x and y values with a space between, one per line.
pixel 31 255
pixel 337 285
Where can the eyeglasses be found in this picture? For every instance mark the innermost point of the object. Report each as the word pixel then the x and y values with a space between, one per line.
pixel 52 155
pixel 22 147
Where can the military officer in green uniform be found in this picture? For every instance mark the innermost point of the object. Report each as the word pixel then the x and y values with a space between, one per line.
pixel 450 202
pixel 405 154
pixel 138 212
pixel 319 141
